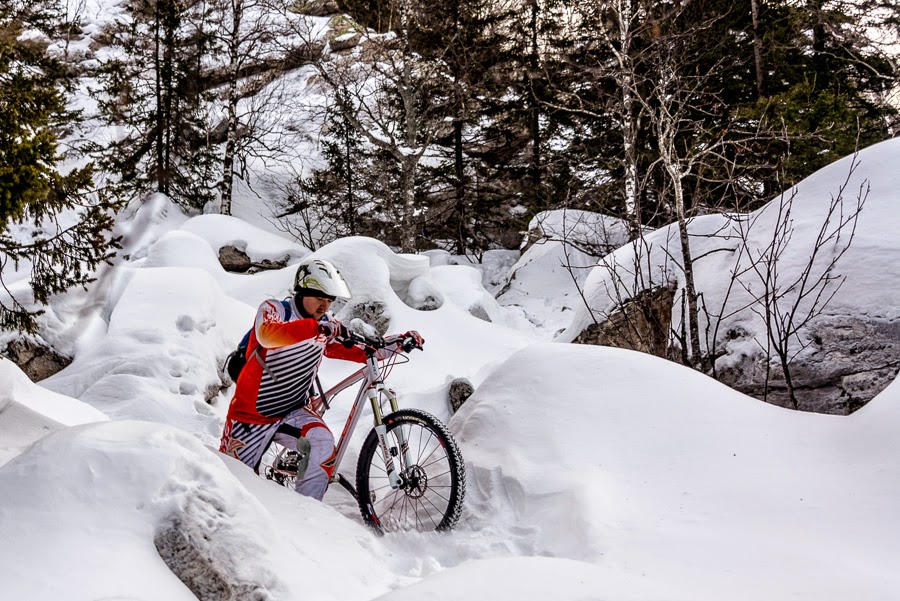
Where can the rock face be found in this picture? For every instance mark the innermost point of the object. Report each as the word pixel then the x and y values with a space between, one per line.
pixel 642 324
pixel 460 390
pixel 236 260
pixel 850 360
pixel 37 361
pixel 187 550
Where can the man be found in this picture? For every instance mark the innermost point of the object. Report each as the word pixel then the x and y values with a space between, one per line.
pixel 271 399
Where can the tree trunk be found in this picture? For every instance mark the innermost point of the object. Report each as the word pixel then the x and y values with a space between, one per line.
pixel 460 204
pixel 788 381
pixel 409 158
pixel 627 123
pixel 158 73
pixel 690 289
pixel 351 191
pixel 408 200
pixel 237 7
pixel 168 89
pixel 757 49
pixel 534 116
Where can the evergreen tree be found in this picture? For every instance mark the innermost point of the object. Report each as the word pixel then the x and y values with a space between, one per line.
pixel 158 93
pixel 49 223
pixel 466 39
pixel 825 83
pixel 335 196
pixel 397 104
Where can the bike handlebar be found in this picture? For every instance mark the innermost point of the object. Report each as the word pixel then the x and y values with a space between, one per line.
pixel 372 344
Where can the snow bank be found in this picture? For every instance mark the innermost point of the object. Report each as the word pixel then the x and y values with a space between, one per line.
pixel 144 222
pixel 100 494
pixel 581 229
pixel 545 285
pixel 870 264
pixel 650 469
pixel 260 245
pixel 29 412
pixel 159 359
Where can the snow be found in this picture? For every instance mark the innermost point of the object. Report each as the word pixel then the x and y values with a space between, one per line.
pixel 593 473
pixel 29 412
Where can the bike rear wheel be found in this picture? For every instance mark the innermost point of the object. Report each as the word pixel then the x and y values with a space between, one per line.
pixel 433 483
pixel 279 464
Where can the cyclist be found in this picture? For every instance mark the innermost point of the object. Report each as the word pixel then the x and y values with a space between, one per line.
pixel 272 395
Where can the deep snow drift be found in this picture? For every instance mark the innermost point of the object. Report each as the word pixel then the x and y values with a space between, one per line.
pixel 614 475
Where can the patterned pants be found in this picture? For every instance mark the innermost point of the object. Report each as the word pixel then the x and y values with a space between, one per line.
pixel 248 442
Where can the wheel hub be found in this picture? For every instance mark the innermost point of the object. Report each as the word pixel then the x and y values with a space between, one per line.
pixel 416 482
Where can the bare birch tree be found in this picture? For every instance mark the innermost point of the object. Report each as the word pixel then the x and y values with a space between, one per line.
pixel 250 32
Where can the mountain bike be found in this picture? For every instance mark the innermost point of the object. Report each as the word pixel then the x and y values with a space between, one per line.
pixel 410 474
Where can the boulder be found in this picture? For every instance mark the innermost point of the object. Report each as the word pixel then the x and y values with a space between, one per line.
pixel 234 259
pixel 850 360
pixel 479 312
pixel 38 361
pixel 459 391
pixel 345 42
pixel 315 8
pixel 345 33
pixel 373 313
pixel 190 550
pixel 642 324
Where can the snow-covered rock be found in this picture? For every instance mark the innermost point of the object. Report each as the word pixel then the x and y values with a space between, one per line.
pixel 849 349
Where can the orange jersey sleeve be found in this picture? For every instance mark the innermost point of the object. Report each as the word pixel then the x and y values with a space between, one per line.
pixel 273 332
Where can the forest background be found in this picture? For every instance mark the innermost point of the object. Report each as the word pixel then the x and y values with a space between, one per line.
pixel 436 124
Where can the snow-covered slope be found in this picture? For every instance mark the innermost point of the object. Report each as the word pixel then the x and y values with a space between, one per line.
pixel 644 480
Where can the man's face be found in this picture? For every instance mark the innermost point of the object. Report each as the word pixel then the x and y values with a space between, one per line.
pixel 316 306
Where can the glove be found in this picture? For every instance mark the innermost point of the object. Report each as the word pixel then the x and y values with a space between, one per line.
pixel 332 329
pixel 411 340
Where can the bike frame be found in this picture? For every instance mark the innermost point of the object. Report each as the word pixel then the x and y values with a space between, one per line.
pixel 372 388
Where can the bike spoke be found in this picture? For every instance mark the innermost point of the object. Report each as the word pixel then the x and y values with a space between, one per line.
pixel 426 498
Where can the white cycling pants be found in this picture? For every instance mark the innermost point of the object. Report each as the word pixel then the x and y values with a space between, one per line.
pixel 321 455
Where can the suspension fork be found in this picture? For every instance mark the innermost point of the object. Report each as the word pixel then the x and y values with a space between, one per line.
pixel 395 476
pixel 375 391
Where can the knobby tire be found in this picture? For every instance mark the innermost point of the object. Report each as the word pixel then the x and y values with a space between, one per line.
pixel 434 485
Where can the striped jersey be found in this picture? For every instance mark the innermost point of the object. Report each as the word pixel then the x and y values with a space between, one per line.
pixel 291 351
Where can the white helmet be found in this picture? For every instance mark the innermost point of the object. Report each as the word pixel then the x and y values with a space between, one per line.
pixel 318 277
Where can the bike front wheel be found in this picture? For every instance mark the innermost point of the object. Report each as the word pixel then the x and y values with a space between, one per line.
pixel 431 470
